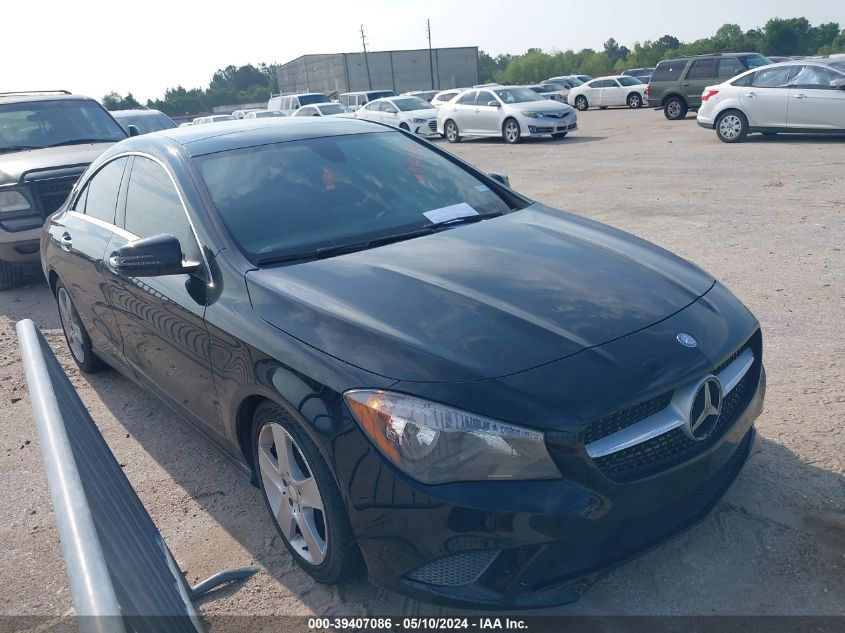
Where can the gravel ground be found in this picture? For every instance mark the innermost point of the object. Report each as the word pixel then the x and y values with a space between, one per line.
pixel 765 217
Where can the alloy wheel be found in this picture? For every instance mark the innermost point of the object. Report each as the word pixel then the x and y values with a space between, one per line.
pixel 451 132
pixel 292 493
pixel 674 109
pixel 730 126
pixel 634 101
pixel 511 132
pixel 71 325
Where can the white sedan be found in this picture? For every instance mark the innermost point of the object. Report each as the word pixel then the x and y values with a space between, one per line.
pixel 801 96
pixel 619 90
pixel 510 112
pixel 408 113
pixel 329 108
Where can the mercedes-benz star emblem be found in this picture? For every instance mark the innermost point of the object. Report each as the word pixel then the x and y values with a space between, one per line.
pixel 686 340
pixel 705 410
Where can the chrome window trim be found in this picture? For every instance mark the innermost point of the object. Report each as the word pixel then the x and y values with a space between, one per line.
pixel 674 415
pixel 75 195
pixel 103 224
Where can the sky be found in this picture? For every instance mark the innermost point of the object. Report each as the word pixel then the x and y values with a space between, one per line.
pixel 93 47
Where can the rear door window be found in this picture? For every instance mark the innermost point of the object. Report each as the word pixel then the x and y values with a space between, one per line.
pixel 485 97
pixel 815 77
pixel 102 189
pixel 729 67
pixel 468 98
pixel 703 69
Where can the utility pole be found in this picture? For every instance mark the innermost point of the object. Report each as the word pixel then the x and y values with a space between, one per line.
pixel 366 59
pixel 430 58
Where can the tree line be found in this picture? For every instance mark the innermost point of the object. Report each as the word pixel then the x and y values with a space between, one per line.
pixel 790 36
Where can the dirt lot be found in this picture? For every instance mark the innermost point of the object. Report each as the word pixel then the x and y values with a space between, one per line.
pixel 765 217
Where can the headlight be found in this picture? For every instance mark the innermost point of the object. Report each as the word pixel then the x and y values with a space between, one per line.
pixel 533 115
pixel 417 120
pixel 12 201
pixel 435 443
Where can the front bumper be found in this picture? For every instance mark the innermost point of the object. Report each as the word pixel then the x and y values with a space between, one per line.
pixel 20 247
pixel 542 126
pixel 527 544
pixel 429 128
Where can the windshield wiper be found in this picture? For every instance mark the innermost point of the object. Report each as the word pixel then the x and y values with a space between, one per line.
pixel 83 141
pixel 465 219
pixel 338 249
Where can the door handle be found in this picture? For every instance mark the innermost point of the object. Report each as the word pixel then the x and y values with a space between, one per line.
pixel 800 95
pixel 750 95
pixel 66 241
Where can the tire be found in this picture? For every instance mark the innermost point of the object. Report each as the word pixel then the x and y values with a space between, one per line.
pixel 11 276
pixel 635 101
pixel 451 132
pixel 675 109
pixel 581 103
pixel 511 132
pixel 560 135
pixel 731 126
pixel 76 336
pixel 304 480
pixel 404 126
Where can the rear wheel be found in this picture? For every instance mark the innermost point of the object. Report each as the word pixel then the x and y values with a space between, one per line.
pixel 731 126
pixel 451 132
pixel 635 100
pixel 302 497
pixel 11 276
pixel 76 335
pixel 675 109
pixel 581 103
pixel 511 131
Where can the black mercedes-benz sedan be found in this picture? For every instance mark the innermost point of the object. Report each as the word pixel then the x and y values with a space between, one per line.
pixel 476 398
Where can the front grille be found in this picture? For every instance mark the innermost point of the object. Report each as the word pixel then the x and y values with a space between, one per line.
pixel 455 570
pixel 624 418
pixel 432 125
pixel 52 193
pixel 675 447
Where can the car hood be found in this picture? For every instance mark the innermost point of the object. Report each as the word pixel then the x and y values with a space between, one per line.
pixel 546 105
pixel 15 165
pixel 478 301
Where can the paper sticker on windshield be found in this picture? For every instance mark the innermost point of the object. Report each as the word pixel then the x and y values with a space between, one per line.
pixel 482 188
pixel 453 212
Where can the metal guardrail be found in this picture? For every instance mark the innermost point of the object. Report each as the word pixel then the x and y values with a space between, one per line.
pixel 121 574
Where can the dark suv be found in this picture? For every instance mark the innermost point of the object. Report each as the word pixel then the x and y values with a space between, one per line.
pixel 676 84
pixel 47 139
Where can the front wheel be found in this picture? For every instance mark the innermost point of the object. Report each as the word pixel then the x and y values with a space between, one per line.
pixel 635 100
pixel 404 126
pixel 76 335
pixel 731 126
pixel 11 276
pixel 511 132
pixel 581 103
pixel 302 497
pixel 451 132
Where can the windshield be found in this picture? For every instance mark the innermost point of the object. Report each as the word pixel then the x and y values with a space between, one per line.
pixel 315 98
pixel 629 81
pixel 839 65
pixel 378 94
pixel 145 123
pixel 517 95
pixel 38 124
pixel 557 85
pixel 409 104
pixel 300 196
pixel 755 61
pixel 333 108
pixel 542 89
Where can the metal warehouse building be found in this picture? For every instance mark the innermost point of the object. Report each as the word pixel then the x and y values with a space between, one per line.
pixel 399 71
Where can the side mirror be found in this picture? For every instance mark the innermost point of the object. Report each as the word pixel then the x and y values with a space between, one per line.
pixel 133 131
pixel 838 83
pixel 151 257
pixel 493 104
pixel 502 179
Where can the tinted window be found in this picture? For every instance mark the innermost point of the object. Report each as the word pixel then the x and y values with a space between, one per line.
pixel 703 69
pixel 37 124
pixel 755 61
pixel 815 77
pixel 485 97
pixel 298 196
pixel 409 104
pixel 729 67
pixel 146 123
pixel 669 71
pixel 468 98
pixel 102 190
pixel 629 81
pixel 153 207
pixel 518 95
pixel 315 98
pixel 777 77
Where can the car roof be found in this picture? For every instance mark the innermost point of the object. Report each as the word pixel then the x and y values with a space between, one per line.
pixel 239 134
pixel 136 112
pixel 22 97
